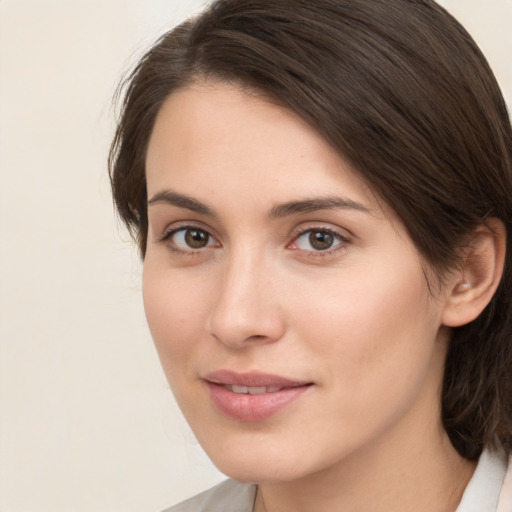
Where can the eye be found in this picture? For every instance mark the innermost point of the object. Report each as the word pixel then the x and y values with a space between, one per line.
pixel 190 239
pixel 317 240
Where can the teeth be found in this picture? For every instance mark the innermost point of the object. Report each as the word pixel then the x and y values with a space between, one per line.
pixel 256 390
pixel 240 389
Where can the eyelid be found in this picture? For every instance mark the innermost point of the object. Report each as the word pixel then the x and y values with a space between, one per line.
pixel 321 226
pixel 184 224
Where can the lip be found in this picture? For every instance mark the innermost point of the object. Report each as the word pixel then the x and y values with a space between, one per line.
pixel 253 407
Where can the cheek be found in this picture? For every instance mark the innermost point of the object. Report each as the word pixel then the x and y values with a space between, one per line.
pixel 375 343
pixel 174 311
pixel 373 328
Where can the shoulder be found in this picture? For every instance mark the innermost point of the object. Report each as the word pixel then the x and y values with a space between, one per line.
pixel 228 495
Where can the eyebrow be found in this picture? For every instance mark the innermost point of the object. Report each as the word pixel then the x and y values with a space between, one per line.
pixel 181 201
pixel 316 204
pixel 278 211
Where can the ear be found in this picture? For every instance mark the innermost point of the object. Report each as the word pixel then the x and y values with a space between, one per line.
pixel 474 285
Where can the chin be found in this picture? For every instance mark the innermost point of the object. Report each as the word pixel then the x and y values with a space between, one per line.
pixel 261 472
pixel 256 461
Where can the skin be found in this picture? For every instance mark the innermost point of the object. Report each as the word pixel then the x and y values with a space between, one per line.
pixel 356 319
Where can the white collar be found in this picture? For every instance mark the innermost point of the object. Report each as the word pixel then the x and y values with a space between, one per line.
pixel 482 493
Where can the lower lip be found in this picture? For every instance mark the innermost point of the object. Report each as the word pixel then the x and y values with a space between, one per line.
pixel 246 407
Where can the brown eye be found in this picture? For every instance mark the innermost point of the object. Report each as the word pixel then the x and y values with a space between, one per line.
pixel 196 238
pixel 190 239
pixel 321 240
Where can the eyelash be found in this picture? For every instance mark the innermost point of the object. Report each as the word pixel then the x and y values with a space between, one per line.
pixel 340 241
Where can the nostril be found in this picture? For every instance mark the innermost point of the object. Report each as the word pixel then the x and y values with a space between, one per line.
pixel 256 337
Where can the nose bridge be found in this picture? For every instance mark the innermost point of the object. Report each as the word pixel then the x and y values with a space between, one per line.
pixel 246 308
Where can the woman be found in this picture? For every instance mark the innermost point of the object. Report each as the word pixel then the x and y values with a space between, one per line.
pixel 321 195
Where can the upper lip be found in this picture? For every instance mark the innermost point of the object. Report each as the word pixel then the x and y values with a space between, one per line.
pixel 252 379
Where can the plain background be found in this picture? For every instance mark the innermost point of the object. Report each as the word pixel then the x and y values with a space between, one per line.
pixel 87 423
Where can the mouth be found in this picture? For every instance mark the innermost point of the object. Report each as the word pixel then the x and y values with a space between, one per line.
pixel 253 396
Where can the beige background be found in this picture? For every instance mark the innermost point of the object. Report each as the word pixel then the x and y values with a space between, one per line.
pixel 86 421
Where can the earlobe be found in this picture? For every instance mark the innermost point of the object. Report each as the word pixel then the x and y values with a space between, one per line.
pixel 476 282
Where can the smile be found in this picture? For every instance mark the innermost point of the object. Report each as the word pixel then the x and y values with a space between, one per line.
pixel 252 397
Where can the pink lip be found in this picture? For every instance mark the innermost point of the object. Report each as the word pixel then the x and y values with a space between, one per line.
pixel 252 407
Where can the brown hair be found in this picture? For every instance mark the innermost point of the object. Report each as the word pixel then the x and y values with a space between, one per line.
pixel 400 89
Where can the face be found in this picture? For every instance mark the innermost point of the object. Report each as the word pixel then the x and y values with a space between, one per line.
pixel 288 305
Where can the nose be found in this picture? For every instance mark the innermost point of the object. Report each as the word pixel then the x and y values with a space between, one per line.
pixel 247 310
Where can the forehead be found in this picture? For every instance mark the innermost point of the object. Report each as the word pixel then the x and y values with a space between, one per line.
pixel 231 123
pixel 215 131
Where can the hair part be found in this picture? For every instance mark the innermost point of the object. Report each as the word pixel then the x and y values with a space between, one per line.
pixel 403 93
